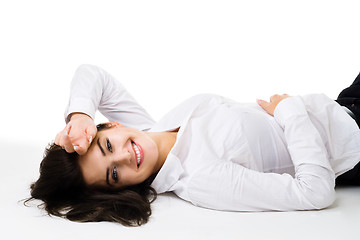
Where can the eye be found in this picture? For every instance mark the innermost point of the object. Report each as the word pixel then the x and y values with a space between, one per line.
pixel 108 145
pixel 114 174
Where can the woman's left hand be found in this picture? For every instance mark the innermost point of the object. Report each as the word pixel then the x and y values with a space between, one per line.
pixel 269 107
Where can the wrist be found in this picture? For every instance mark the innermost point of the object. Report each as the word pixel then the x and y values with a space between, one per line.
pixel 77 115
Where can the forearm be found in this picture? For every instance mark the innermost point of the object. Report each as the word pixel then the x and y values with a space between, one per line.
pixel 94 89
pixel 314 176
pixel 85 92
pixel 231 186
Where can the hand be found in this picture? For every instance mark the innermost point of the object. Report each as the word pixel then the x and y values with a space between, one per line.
pixel 269 107
pixel 77 134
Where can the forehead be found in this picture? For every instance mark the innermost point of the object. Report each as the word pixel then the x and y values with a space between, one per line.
pixel 110 132
pixel 105 131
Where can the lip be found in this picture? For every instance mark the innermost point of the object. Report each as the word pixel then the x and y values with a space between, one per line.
pixel 141 154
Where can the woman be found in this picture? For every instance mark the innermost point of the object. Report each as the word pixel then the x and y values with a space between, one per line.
pixel 211 151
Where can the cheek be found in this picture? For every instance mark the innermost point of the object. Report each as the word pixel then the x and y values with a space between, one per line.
pixel 90 170
pixel 88 174
pixel 129 177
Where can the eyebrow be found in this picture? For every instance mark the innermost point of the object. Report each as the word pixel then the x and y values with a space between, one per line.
pixel 107 170
pixel 107 177
pixel 101 149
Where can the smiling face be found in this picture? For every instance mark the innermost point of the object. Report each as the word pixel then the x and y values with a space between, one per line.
pixel 119 157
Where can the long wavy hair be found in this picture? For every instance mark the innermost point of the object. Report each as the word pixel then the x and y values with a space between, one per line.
pixel 63 191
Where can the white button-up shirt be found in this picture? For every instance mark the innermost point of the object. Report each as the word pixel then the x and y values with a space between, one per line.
pixel 234 156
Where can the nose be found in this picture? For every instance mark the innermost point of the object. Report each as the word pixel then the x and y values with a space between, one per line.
pixel 122 158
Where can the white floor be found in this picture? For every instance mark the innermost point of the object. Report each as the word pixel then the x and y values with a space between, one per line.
pixel 172 217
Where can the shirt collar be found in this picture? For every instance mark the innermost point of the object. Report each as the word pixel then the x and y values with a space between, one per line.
pixel 168 175
pixel 172 169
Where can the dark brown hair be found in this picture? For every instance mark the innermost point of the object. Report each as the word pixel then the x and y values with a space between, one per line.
pixel 64 193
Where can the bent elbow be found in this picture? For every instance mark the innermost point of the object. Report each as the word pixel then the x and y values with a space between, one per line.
pixel 320 194
pixel 323 200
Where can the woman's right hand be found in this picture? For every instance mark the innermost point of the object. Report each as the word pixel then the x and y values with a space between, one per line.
pixel 77 134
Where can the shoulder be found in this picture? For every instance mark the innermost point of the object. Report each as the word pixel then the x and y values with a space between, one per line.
pixel 175 117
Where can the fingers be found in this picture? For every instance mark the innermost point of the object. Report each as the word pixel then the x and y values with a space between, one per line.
pixel 71 140
pixel 80 139
pixel 72 143
pixel 84 139
pixel 90 133
pixel 81 146
pixel 272 98
pixel 269 107
pixel 63 140
pixel 277 97
pixel 78 134
pixel 262 103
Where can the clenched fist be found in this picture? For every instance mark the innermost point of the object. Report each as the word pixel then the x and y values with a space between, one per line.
pixel 77 134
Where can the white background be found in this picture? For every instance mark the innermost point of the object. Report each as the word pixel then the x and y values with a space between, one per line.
pixel 163 52
pixel 166 51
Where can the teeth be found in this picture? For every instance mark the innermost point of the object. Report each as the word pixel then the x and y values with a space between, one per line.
pixel 138 155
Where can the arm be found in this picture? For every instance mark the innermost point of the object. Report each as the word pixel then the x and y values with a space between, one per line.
pixel 94 89
pixel 233 187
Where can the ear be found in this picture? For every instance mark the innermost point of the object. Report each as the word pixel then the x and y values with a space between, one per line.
pixel 114 124
pixel 108 125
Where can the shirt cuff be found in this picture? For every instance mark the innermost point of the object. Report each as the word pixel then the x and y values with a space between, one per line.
pixel 82 105
pixel 288 109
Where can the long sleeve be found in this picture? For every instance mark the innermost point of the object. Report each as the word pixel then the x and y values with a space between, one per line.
pixel 94 89
pixel 230 186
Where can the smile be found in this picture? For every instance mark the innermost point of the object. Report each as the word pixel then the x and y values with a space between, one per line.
pixel 138 153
